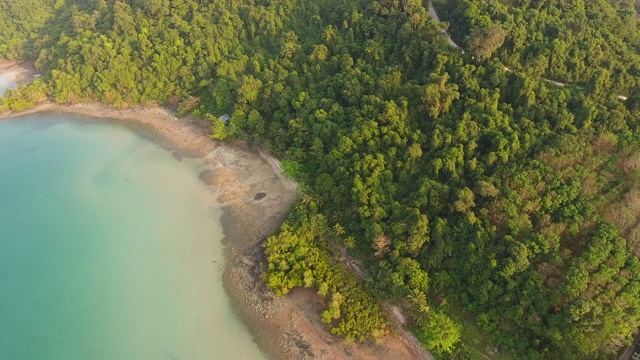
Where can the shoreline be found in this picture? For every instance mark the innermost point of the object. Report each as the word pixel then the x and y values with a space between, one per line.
pixel 19 72
pixel 286 327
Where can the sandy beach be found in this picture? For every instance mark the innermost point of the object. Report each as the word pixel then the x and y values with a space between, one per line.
pixel 18 73
pixel 255 197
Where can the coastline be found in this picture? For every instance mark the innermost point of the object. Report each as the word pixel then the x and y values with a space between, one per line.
pixel 20 72
pixel 286 327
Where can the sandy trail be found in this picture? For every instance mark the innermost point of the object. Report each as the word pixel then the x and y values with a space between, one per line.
pixel 434 16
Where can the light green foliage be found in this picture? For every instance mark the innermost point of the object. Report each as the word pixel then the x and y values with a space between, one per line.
pixel 465 200
pixel 298 256
pixel 572 42
pixel 291 168
pixel 439 333
pixel 513 199
pixel 219 130
pixel 20 22
pixel 24 97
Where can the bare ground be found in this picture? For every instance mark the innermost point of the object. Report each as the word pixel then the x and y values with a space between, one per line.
pixel 255 197
pixel 22 72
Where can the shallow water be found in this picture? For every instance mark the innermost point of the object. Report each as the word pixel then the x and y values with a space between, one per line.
pixel 6 81
pixel 109 248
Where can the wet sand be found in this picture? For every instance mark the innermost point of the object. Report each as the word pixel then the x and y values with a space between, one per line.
pixel 255 198
pixel 20 73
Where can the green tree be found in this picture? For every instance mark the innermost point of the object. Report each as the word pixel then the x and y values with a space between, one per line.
pixel 439 333
pixel 483 42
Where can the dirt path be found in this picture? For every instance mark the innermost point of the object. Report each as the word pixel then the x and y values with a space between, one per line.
pixel 628 352
pixel 434 16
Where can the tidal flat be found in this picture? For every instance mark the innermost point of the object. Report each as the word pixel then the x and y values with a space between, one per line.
pixel 111 248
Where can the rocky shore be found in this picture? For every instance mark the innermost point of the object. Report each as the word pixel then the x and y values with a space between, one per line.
pixel 255 197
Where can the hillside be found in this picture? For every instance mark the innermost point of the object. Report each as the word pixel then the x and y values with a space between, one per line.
pixel 512 200
pixel 589 43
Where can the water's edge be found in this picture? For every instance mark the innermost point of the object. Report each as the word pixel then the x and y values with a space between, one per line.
pixel 283 327
pixel 233 170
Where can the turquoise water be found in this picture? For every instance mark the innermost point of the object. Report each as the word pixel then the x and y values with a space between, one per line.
pixel 109 248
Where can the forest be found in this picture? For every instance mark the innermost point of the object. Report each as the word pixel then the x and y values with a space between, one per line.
pixel 588 43
pixel 474 195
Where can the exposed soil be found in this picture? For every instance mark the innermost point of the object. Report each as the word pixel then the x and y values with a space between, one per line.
pixel 22 72
pixel 255 197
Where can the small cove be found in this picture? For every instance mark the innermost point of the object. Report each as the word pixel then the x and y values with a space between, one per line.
pixel 110 248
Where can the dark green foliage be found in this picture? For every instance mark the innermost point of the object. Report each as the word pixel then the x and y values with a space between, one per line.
pixel 439 333
pixel 22 21
pixel 568 41
pixel 515 200
pixel 483 42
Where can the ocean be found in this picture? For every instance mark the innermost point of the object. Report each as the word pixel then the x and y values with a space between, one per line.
pixel 110 248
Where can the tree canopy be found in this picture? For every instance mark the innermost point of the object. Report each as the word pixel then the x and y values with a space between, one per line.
pixel 513 199
pixel 567 41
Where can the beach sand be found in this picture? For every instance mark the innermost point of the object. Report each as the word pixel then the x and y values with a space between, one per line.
pixel 286 327
pixel 19 73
